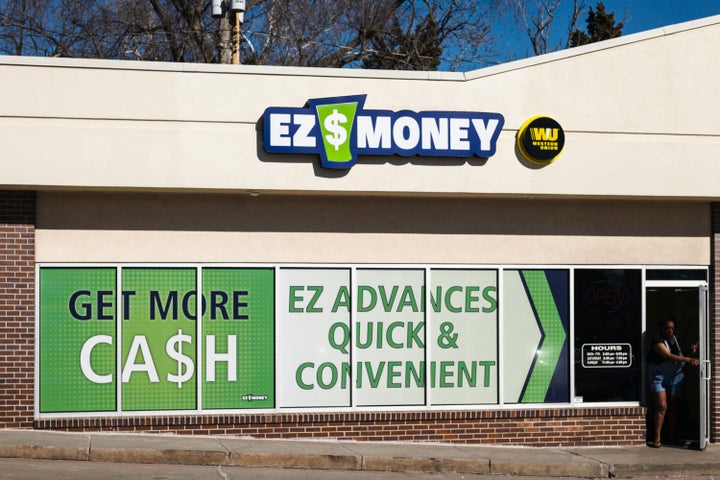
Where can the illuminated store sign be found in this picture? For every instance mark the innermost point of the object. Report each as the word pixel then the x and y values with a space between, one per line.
pixel 540 140
pixel 339 130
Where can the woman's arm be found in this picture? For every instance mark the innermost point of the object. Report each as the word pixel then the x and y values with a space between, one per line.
pixel 665 353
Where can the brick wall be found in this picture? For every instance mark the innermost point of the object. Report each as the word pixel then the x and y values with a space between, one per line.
pixel 17 308
pixel 541 427
pixel 715 326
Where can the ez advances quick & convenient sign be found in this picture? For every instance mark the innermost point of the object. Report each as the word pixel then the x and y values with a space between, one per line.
pixel 339 130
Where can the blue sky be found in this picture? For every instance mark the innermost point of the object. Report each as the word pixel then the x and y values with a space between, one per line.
pixel 648 14
pixel 637 15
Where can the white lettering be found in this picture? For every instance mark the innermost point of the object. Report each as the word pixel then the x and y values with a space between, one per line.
pixel 85 354
pixel 373 136
pixel 140 344
pixel 409 125
pixel 459 134
pixel 280 130
pixel 302 136
pixel 230 357
pixel 434 133
pixel 485 132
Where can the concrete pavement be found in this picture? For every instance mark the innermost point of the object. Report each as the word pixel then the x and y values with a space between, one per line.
pixel 622 462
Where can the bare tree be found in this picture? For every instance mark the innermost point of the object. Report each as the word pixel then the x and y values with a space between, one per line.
pixel 31 27
pixel 326 33
pixel 537 18
pixel 170 30
pixel 339 33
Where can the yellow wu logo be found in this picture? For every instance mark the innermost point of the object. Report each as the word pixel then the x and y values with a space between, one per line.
pixel 544 134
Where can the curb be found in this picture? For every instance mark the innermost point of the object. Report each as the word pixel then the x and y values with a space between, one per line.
pixel 348 461
pixel 310 461
pixel 360 456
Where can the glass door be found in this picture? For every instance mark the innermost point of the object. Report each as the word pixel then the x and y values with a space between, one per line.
pixel 686 423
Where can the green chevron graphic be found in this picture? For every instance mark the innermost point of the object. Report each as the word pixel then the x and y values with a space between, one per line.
pixel 552 345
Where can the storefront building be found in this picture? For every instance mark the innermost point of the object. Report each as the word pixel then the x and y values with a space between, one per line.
pixel 361 255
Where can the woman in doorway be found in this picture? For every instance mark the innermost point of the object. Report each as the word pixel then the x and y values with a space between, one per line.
pixel 665 370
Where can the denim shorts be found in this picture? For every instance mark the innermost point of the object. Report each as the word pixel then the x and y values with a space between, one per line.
pixel 666 377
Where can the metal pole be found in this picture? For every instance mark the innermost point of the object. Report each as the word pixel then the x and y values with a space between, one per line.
pixel 236 39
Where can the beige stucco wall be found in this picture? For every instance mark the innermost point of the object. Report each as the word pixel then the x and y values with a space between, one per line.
pixel 640 115
pixel 154 162
pixel 104 227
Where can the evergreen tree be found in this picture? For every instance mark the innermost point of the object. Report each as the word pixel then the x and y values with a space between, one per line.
pixel 600 26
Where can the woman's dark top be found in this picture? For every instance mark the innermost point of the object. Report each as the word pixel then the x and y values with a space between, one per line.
pixel 655 357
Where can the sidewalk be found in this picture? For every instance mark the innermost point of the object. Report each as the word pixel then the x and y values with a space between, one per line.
pixel 403 457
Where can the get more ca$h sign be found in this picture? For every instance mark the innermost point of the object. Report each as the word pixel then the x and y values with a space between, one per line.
pixel 339 129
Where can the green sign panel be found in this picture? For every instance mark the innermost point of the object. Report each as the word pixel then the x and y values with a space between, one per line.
pixel 238 327
pixel 159 339
pixel 77 348
pixel 171 356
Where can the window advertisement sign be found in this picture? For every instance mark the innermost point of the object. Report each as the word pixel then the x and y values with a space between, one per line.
pixel 389 342
pixel 136 338
pixel 77 340
pixel 608 334
pixel 463 337
pixel 159 339
pixel 238 348
pixel 535 340
pixel 314 337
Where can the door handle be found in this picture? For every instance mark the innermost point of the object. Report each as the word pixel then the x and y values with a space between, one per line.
pixel 705 370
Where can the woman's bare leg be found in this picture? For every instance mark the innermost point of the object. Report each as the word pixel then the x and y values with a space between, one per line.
pixel 661 407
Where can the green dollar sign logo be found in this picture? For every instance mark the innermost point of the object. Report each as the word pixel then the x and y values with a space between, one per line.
pixel 185 367
pixel 336 120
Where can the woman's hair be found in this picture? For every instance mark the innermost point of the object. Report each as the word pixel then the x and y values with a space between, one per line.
pixel 668 319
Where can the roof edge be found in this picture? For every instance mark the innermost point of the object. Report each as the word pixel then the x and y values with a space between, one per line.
pixel 85 63
pixel 593 47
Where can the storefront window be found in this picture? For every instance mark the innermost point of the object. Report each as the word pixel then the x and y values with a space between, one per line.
pixel 159 339
pixel 608 335
pixel 676 274
pixel 77 358
pixel 136 338
pixel 463 337
pixel 536 321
